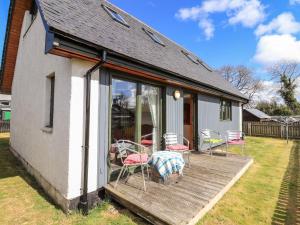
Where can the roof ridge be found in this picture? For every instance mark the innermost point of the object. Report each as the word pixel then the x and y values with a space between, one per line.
pixel 175 43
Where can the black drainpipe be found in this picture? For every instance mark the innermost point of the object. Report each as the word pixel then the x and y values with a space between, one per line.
pixel 83 205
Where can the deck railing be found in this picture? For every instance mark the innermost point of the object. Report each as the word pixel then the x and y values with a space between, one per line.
pixel 271 129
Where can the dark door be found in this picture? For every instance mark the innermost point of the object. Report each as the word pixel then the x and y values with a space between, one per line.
pixel 189 118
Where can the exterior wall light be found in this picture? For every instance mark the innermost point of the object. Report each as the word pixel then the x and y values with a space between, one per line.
pixel 177 94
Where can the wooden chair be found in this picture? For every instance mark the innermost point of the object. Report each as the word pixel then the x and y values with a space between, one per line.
pixel 212 138
pixel 172 144
pixel 236 138
pixel 132 155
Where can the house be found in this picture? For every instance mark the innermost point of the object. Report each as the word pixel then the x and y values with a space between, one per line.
pixel 254 115
pixel 5 111
pixel 89 73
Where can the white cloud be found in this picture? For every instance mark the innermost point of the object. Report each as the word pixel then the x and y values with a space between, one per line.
pixel 285 23
pixel 268 93
pixel 294 2
pixel 273 48
pixel 248 13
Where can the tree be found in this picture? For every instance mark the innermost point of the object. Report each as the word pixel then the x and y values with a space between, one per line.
pixel 272 108
pixel 287 73
pixel 243 79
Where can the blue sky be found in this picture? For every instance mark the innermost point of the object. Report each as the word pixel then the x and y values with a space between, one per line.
pixel 3 20
pixel 233 40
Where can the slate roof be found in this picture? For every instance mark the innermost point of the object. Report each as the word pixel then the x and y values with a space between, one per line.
pixel 259 114
pixel 87 20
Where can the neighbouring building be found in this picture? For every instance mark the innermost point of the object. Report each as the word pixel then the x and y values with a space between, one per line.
pixel 89 73
pixel 254 115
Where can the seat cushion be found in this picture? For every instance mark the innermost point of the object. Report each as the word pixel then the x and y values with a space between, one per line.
pixel 136 159
pixel 213 141
pixel 177 147
pixel 147 142
pixel 236 142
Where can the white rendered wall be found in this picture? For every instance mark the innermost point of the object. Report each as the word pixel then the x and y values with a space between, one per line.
pixel 79 68
pixel 46 152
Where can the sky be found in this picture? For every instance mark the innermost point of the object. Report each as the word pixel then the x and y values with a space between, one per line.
pixel 4 4
pixel 255 33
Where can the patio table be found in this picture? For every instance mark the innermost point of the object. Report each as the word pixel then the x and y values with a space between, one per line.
pixel 166 163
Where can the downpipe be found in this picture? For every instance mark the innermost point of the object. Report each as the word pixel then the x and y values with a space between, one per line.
pixel 83 205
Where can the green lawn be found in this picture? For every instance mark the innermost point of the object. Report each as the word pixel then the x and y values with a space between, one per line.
pixel 267 194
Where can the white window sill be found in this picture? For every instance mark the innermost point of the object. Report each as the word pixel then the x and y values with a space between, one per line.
pixel 48 130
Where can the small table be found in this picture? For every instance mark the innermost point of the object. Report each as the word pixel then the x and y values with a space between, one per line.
pixel 167 163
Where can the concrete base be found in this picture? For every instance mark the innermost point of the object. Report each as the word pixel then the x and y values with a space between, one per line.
pixel 67 205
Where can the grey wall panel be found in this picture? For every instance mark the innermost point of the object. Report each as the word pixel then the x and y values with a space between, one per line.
pixel 103 129
pixel 209 116
pixel 174 112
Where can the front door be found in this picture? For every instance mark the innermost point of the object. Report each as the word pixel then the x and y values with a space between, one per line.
pixel 189 118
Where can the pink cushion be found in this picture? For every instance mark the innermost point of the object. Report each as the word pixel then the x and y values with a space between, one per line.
pixel 236 142
pixel 136 159
pixel 177 147
pixel 147 142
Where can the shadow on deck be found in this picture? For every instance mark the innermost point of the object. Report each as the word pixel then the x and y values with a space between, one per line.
pixel 288 205
pixel 188 200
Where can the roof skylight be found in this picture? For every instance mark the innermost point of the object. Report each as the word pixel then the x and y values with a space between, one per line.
pixel 154 37
pixel 194 59
pixel 116 16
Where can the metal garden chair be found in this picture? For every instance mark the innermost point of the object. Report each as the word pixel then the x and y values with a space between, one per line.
pixel 236 138
pixel 132 155
pixel 212 138
pixel 172 144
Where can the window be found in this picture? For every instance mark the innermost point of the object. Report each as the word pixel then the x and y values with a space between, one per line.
pixel 225 110
pixel 50 100
pixel 194 59
pixel 154 37
pixel 116 16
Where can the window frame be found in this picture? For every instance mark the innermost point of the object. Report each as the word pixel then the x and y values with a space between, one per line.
pixel 154 36
pixel 119 18
pixel 191 57
pixel 225 108
pixel 50 119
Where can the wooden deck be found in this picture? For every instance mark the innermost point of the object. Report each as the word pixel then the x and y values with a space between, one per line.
pixel 187 201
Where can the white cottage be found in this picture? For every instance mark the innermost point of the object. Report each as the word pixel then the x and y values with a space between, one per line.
pixel 88 74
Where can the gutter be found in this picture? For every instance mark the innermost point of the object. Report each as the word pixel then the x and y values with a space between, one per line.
pixel 83 205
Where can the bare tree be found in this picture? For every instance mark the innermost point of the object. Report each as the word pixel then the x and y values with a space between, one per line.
pixel 243 79
pixel 286 73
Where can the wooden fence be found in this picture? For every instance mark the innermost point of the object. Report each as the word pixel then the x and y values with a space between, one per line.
pixel 271 129
pixel 4 126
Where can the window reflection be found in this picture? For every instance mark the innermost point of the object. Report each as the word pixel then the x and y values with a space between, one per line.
pixel 123 110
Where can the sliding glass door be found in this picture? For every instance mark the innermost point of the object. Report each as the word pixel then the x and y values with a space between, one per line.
pixel 136 113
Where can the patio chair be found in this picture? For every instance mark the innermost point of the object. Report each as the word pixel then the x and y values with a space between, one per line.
pixel 212 138
pixel 236 138
pixel 132 155
pixel 172 144
pixel 146 140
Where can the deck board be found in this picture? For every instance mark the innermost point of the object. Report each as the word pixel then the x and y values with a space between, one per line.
pixel 185 202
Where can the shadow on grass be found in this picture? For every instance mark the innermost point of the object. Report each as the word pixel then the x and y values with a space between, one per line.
pixel 288 206
pixel 10 166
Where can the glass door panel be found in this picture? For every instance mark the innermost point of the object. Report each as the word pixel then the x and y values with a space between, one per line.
pixel 150 120
pixel 123 110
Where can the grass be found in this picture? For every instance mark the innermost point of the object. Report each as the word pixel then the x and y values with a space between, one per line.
pixel 269 193
pixel 22 201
